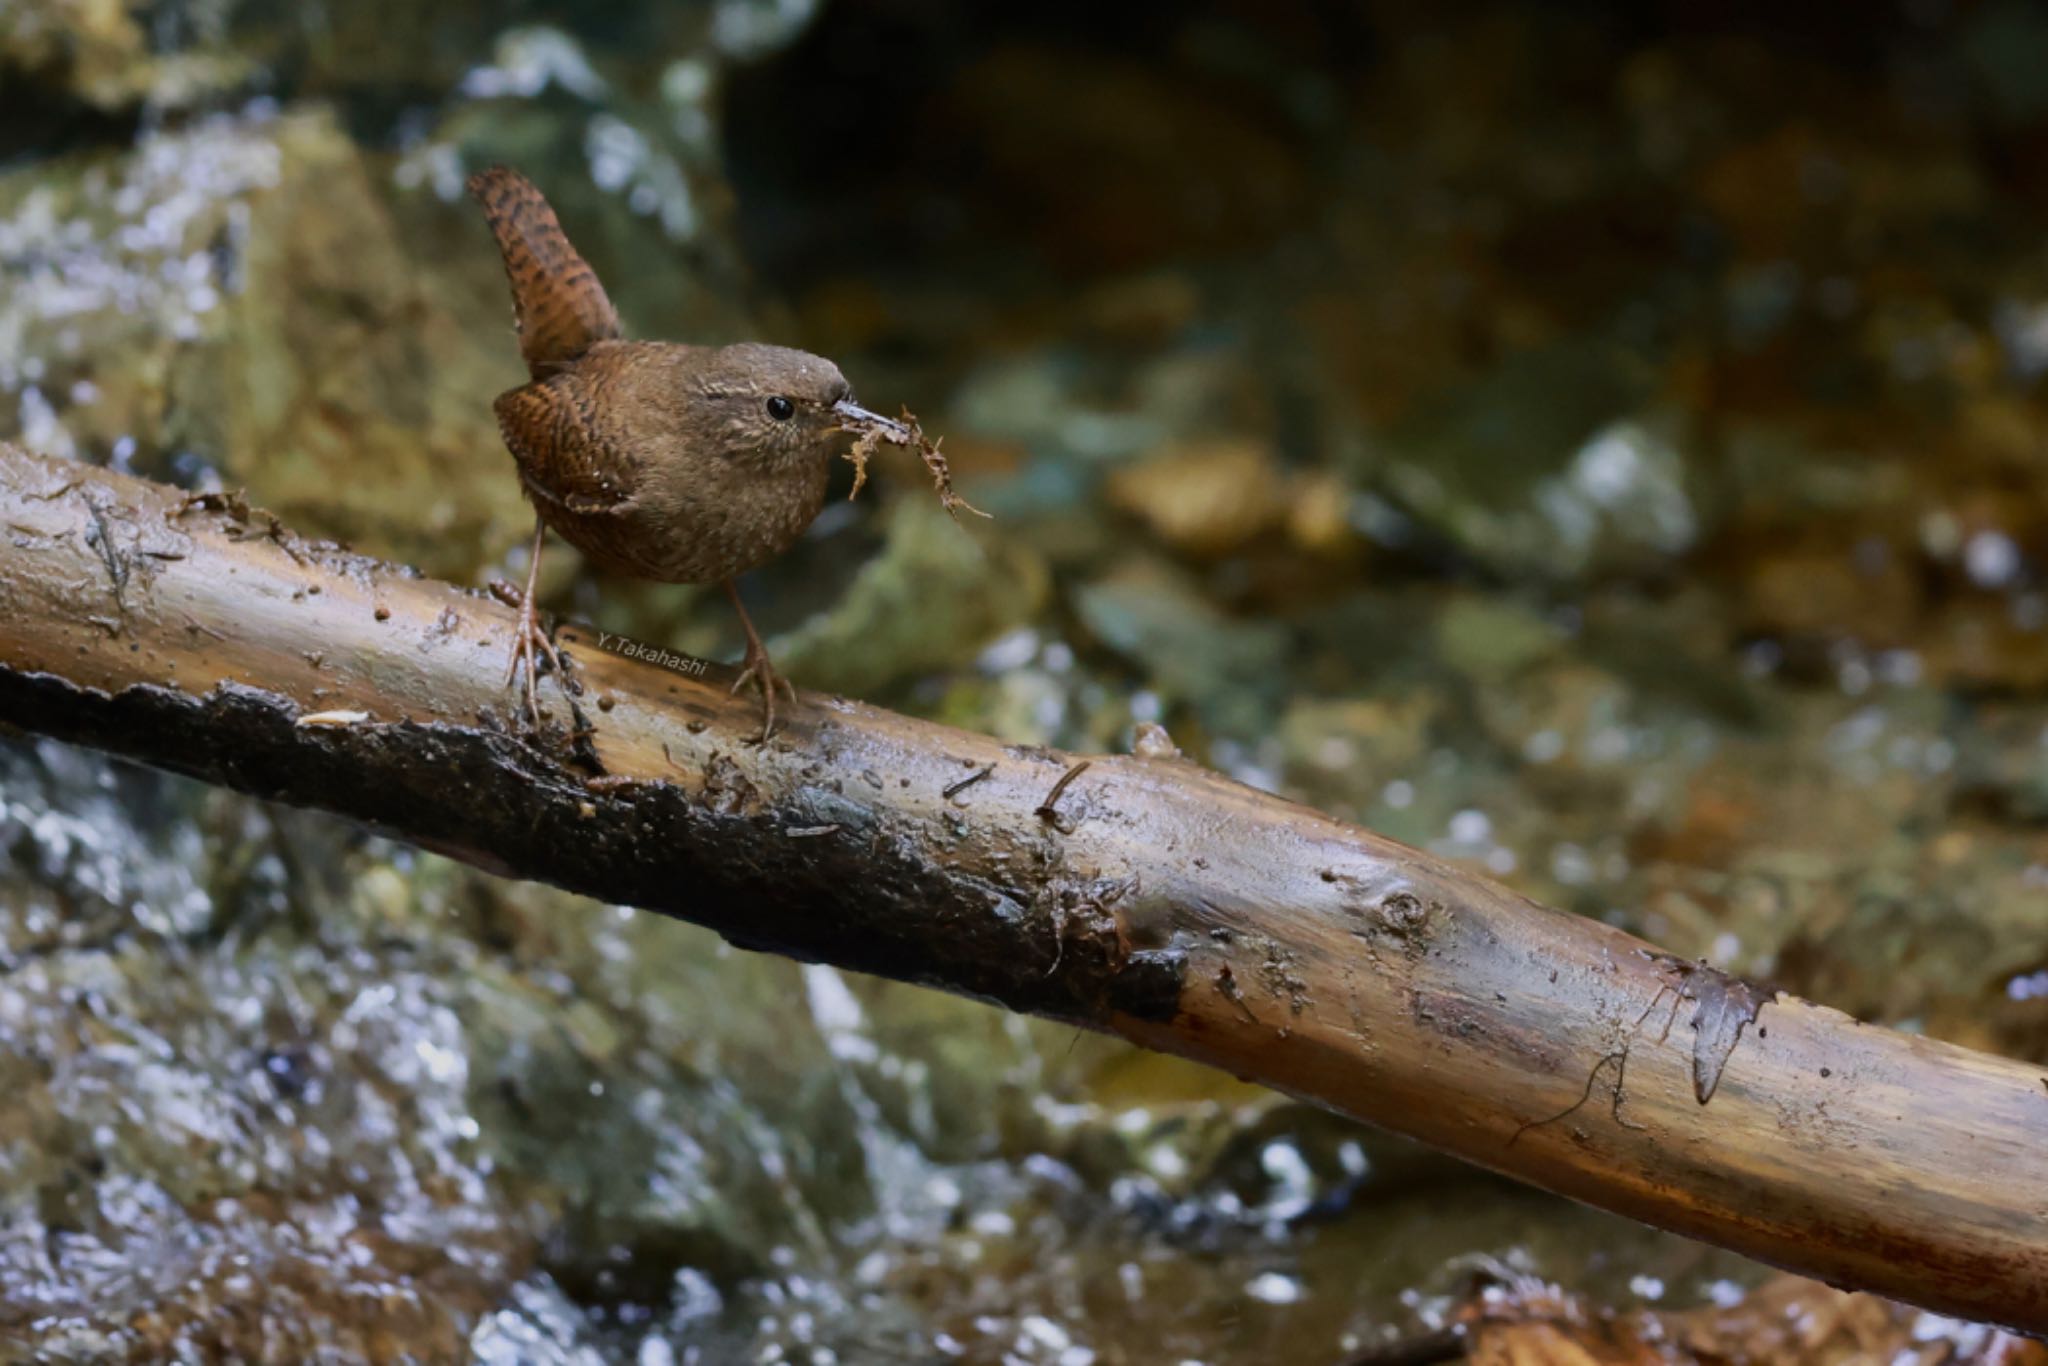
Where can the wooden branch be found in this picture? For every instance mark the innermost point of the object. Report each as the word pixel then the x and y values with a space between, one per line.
pixel 1144 896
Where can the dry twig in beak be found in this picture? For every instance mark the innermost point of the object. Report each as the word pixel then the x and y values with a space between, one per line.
pixel 871 429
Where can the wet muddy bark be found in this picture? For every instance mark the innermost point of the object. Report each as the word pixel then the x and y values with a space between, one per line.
pixel 1143 896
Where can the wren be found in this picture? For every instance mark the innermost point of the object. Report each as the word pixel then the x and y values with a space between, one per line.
pixel 657 460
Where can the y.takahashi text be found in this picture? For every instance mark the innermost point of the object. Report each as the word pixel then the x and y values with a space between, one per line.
pixel 651 654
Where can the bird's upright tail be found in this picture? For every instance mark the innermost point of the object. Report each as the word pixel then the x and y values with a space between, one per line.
pixel 560 307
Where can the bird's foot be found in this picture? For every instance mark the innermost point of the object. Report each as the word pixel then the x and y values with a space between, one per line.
pixel 756 669
pixel 530 646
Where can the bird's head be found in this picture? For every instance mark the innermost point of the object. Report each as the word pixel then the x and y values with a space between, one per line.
pixel 775 404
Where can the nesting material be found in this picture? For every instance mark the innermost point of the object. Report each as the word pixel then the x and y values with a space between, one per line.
pixel 871 429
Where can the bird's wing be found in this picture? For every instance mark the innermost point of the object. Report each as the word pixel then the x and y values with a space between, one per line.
pixel 560 307
pixel 563 455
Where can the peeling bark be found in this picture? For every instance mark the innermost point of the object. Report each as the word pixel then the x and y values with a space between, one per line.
pixel 1140 895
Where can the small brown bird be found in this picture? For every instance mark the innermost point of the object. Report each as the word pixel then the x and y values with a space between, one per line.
pixel 682 464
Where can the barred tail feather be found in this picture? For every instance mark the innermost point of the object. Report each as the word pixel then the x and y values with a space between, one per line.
pixel 560 307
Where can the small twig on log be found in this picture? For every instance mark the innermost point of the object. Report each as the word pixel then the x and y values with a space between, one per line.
pixel 953 790
pixel 1195 915
pixel 1049 809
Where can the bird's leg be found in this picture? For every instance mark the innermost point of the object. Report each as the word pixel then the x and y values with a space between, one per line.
pixel 530 643
pixel 756 668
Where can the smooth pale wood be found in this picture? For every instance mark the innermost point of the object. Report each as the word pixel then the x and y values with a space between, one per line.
pixel 1157 900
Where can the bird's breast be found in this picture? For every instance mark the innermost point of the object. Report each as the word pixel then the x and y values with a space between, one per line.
pixel 698 529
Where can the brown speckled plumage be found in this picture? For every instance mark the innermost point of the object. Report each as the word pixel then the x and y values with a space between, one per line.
pixel 659 461
pixel 683 464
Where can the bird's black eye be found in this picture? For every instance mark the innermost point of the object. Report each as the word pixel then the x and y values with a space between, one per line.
pixel 781 409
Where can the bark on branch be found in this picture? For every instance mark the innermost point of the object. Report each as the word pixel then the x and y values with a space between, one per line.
pixel 1142 896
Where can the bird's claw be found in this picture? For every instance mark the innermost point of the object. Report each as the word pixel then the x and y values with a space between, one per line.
pixel 530 645
pixel 756 669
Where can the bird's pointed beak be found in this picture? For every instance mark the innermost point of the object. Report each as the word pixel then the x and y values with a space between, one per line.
pixel 852 417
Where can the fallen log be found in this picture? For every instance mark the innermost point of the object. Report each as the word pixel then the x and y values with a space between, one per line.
pixel 1135 894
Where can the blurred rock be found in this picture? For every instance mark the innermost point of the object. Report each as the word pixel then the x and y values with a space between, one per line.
pixel 1319 516
pixel 240 296
pixel 380 54
pixel 1532 472
pixel 1828 591
pixel 1043 402
pixel 1490 639
pixel 1520 1321
pixel 1234 671
pixel 1204 498
pixel 98 51
pixel 939 590
pixel 346 393
pixel 1361 744
pixel 117 264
